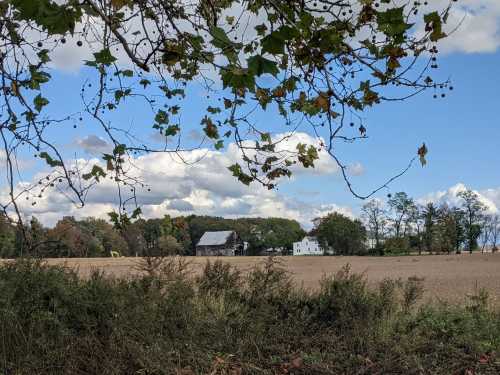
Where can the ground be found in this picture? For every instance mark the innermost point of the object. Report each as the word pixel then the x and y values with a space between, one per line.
pixel 446 277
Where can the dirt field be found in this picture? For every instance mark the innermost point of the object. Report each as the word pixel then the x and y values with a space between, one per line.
pixel 446 277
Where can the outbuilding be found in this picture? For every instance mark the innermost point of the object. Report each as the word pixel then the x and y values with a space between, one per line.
pixel 220 243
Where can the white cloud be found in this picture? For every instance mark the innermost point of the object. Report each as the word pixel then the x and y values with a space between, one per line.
pixel 490 197
pixel 478 27
pixel 198 184
pixel 473 26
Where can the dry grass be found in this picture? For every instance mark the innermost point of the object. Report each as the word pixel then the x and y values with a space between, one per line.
pixel 446 277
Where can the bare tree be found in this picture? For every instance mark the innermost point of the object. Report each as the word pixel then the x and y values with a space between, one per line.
pixel 375 216
pixel 402 208
pixel 486 227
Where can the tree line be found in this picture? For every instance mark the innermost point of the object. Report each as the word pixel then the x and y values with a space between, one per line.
pixel 398 225
pixel 93 237
pixel 401 225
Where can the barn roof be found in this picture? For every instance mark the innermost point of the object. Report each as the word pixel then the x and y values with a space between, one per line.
pixel 214 238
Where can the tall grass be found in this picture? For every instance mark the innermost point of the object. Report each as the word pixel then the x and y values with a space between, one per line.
pixel 223 322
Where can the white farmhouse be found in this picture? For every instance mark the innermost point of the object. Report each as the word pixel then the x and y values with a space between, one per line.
pixel 308 246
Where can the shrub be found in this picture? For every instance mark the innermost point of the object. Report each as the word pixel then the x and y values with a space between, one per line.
pixel 396 246
pixel 219 278
pixel 165 322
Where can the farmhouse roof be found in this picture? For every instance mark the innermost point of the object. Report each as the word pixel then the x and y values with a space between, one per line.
pixel 214 238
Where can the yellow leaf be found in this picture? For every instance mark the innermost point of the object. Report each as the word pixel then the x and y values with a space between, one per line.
pixel 15 89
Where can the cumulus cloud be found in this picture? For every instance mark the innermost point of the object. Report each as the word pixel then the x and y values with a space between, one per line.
pixel 198 183
pixel 478 23
pixel 490 197
pixel 473 26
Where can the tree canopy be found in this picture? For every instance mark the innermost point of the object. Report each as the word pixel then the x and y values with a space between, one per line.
pixel 342 234
pixel 317 65
pixel 402 226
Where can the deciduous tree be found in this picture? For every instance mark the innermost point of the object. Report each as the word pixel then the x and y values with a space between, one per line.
pixel 375 215
pixel 474 210
pixel 344 235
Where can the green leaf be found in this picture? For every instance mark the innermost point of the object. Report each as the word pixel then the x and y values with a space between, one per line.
pixel 43 55
pixel 259 65
pixel 172 130
pixel 96 172
pixel 51 161
pixel 221 40
pixel 161 117
pixel 392 23
pixel 274 43
pixel 127 73
pixel 104 57
pixel 265 137
pixel 433 20
pixel 54 18
pixel 119 149
pixel 261 29
pixel 40 102
pixel 37 77
pixel 144 82
pixel 238 79
pixel 219 144
pixel 238 172
pixel 118 95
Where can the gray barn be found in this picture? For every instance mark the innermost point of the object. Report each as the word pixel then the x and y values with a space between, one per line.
pixel 225 243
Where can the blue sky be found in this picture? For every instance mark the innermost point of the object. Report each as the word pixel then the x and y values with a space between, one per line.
pixel 462 133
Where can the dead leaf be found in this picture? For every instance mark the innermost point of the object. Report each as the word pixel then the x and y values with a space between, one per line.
pixel 422 152
pixel 484 359
pixel 322 102
pixel 297 362
pixel 14 88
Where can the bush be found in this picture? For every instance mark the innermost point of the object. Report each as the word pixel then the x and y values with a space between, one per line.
pixel 396 246
pixel 219 278
pixel 166 322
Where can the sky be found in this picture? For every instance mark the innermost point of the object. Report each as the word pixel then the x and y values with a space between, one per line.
pixel 461 131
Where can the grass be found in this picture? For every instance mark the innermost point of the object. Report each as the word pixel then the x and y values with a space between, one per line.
pixel 223 322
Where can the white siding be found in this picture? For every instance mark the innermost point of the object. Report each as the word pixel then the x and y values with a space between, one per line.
pixel 308 246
